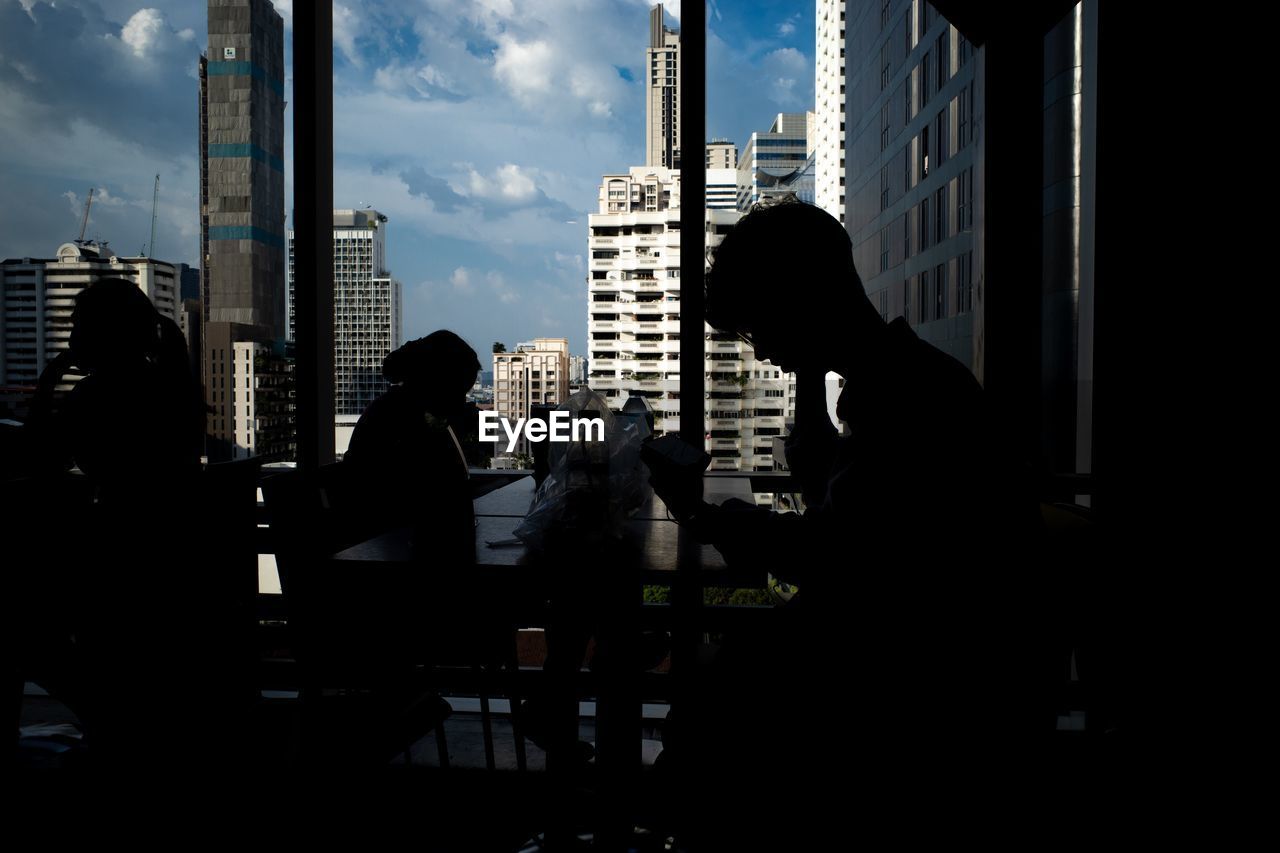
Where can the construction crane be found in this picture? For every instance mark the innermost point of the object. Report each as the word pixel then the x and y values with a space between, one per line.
pixel 84 223
pixel 155 196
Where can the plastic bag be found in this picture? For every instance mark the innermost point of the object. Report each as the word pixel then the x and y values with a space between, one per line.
pixel 592 487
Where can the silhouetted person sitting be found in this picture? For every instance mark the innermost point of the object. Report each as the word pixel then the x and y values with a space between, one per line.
pixel 901 660
pixel 133 423
pixel 406 452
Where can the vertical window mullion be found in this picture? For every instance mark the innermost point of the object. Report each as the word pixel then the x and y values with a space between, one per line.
pixel 693 178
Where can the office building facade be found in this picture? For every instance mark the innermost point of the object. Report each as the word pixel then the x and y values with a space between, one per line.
pixel 916 165
pixel 772 158
pixel 39 295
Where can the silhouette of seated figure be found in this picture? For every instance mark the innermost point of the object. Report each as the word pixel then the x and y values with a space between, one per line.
pixel 907 642
pixel 405 452
pixel 133 423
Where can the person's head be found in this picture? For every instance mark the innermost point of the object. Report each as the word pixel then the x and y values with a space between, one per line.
pixel 114 322
pixel 784 280
pixel 439 369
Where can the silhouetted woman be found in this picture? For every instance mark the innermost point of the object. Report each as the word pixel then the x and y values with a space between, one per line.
pixel 407 453
pixel 133 423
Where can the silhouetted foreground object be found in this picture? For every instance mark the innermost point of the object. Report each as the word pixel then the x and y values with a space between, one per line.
pixel 361 646
pixel 911 661
pixel 132 592
pixel 358 642
pixel 406 453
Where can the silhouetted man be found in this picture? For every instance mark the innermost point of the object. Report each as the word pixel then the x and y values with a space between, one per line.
pixel 902 661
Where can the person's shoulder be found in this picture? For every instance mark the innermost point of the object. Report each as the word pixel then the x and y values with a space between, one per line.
pixel 933 366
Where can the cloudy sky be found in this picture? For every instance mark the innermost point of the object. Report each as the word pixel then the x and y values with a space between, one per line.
pixel 480 127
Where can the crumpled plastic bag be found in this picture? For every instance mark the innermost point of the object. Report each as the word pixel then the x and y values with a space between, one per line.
pixel 592 487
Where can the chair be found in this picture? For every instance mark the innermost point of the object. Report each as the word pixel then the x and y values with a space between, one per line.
pixel 364 696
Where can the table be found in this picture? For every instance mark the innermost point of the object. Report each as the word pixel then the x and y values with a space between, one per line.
pixel 652 544
pixel 653 550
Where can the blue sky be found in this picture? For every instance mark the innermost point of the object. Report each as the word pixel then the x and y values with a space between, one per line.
pixel 480 127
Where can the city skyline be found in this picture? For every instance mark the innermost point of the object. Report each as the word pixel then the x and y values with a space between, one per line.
pixel 489 218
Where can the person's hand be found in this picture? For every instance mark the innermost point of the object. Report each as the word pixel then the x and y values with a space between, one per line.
pixel 681 492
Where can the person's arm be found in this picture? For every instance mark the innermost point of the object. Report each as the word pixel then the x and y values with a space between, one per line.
pixel 810 447
pixel 784 544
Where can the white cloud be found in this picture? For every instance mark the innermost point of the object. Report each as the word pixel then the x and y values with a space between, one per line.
pixel 433 76
pixel 426 81
pixel 461 280
pixel 102 197
pixel 537 72
pixel 508 184
pixel 346 27
pixel 143 30
pixel 525 69
pixel 786 57
pixel 785 67
pixel 498 284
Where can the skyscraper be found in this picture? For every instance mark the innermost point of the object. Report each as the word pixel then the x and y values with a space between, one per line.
pixel 910 210
pixel 662 94
pixel 917 159
pixel 242 166
pixel 366 308
pixel 242 208
pixel 827 139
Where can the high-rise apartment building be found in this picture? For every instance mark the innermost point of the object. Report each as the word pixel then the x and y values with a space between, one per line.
pixel 535 374
pixel 252 383
pixel 827 138
pixel 662 94
pixel 722 154
pixel 773 158
pixel 634 323
pixel 577 369
pixel 367 319
pixel 37 296
pixel 242 209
